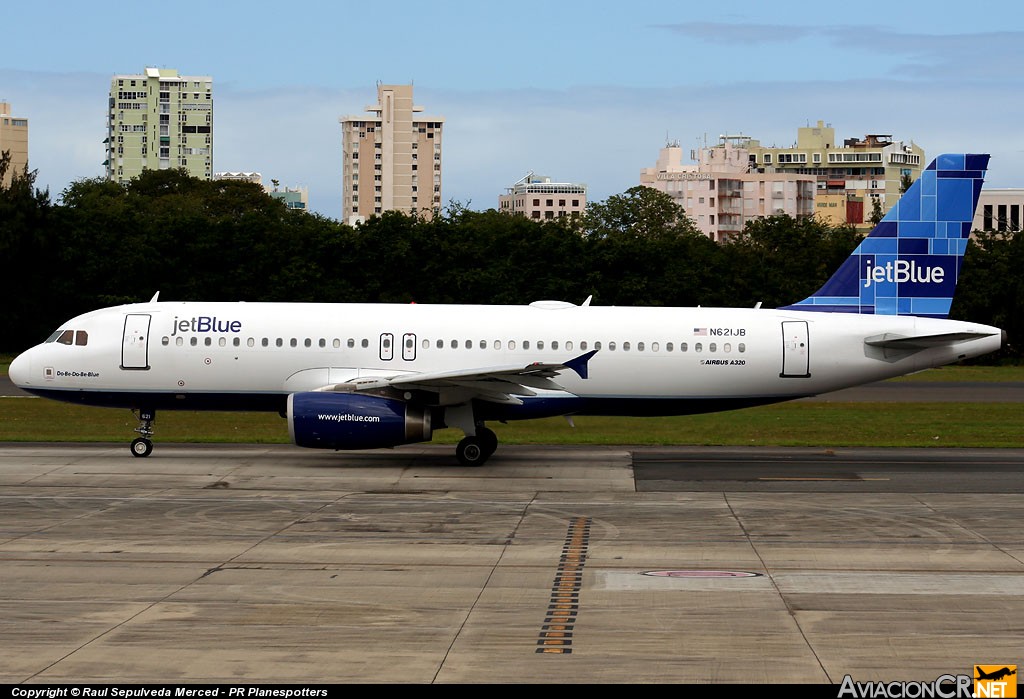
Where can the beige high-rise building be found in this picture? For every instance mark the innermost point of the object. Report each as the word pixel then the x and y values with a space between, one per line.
pixel 13 138
pixel 392 158
pixel 159 120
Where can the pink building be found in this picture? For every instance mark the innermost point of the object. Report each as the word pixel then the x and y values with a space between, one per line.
pixel 720 193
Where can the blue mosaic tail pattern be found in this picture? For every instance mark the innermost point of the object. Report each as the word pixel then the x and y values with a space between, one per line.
pixel 910 262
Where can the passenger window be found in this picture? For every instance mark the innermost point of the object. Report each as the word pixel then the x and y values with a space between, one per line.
pixel 337 343
pixel 237 342
pixel 697 347
pixel 483 344
pixel 568 345
pixel 308 342
pixel 280 342
pixel 540 344
pixel 654 347
pixel 469 344
pixel 742 347
pixel 597 345
pixel 323 342
pixel 611 346
pixel 625 346
pixel 266 342
pixel 251 342
pixel 497 344
pixel 294 342
pixel 179 341
pixel 639 347
pixel 712 347
pixel 526 344
pixel 583 344
pixel 351 342
pixel 668 347
pixel 426 344
pixel 455 344
pixel 554 344
pixel 193 341
pixel 511 344
pixel 67 337
pixel 165 340
pixel 365 343
pixel 223 342
pixel 727 347
pixel 208 341
pixel 440 344
pixel 683 347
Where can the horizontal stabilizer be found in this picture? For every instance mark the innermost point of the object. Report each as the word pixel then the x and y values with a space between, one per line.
pixel 920 342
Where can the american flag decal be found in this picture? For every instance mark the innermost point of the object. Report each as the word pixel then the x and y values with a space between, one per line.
pixel 700 331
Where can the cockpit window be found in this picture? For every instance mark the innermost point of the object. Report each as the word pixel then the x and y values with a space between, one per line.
pixel 81 337
pixel 54 336
pixel 67 337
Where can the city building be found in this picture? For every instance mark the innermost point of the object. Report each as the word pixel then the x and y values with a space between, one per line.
pixel 999 210
pixel 720 193
pixel 851 178
pixel 293 197
pixel 391 158
pixel 13 138
pixel 159 120
pixel 537 197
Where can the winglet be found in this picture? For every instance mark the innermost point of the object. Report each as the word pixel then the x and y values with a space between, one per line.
pixel 579 364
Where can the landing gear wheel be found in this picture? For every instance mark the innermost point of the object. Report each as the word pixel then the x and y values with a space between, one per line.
pixel 488 440
pixel 141 447
pixel 471 452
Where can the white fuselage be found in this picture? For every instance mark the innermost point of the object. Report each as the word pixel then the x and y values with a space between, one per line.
pixel 649 360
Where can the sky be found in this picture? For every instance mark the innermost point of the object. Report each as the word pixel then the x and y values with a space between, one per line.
pixel 584 92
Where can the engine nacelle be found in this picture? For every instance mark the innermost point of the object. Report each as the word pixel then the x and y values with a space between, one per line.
pixel 324 420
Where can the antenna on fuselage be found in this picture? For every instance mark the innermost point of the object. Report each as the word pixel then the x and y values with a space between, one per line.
pixel 155 297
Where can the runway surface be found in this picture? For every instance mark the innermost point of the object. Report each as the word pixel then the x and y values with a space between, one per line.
pixel 258 564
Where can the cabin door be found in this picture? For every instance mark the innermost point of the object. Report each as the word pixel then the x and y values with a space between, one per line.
pixel 135 342
pixel 795 349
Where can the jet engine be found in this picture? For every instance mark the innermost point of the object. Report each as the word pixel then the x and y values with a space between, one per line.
pixel 324 420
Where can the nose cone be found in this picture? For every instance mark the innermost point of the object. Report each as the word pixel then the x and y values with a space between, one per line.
pixel 20 370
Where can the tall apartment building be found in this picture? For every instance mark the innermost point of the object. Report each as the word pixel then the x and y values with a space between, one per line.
pixel 538 198
pixel 850 177
pixel 720 193
pixel 159 120
pixel 392 158
pixel 13 138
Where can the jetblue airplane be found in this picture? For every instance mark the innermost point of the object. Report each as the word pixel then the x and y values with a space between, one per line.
pixel 363 376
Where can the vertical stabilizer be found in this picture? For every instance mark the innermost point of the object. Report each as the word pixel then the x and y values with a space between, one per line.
pixel 909 264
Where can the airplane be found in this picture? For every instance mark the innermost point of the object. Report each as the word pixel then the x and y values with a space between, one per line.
pixel 366 376
pixel 997 675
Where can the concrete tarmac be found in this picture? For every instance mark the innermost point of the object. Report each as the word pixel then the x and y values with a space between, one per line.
pixel 549 565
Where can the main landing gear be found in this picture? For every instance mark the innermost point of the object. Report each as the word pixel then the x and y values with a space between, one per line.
pixel 143 446
pixel 474 450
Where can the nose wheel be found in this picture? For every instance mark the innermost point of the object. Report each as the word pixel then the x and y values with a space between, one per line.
pixel 143 446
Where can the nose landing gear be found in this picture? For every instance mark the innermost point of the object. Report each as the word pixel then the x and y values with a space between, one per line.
pixel 143 446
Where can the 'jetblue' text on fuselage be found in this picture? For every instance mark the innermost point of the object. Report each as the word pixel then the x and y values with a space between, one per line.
pixel 206 324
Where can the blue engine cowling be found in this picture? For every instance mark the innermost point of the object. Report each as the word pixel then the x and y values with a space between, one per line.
pixel 324 420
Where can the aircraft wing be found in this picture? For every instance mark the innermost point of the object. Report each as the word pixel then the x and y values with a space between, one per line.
pixel 499 384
